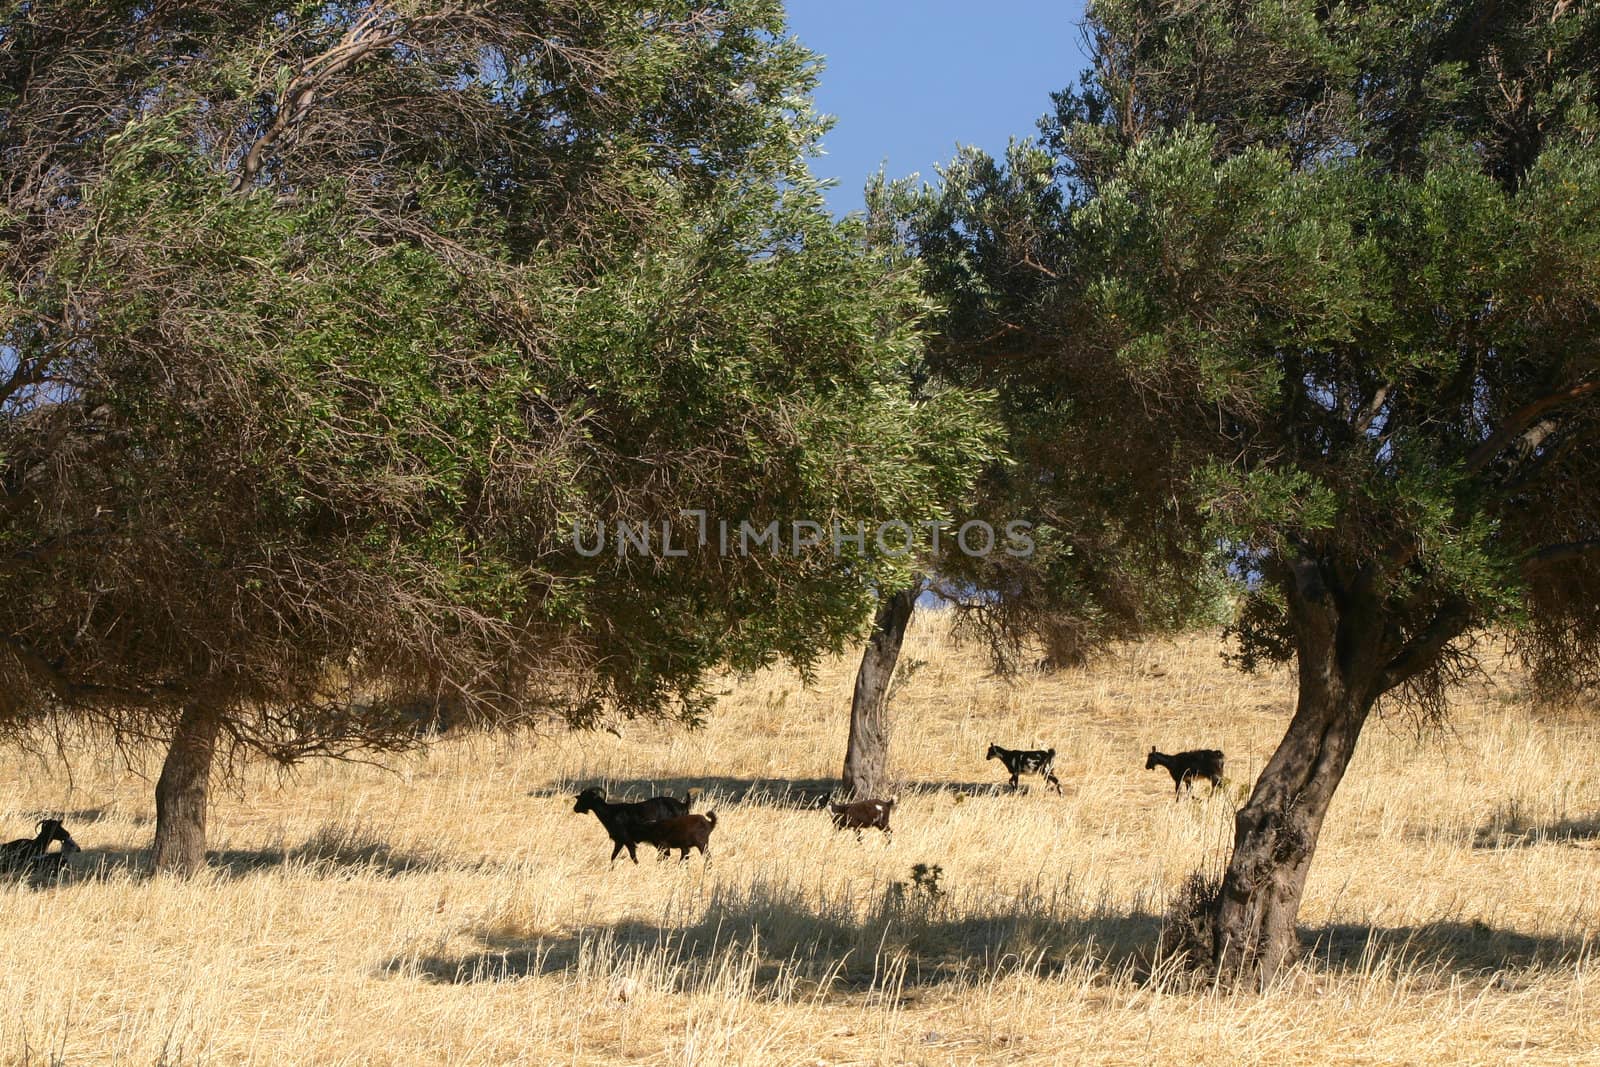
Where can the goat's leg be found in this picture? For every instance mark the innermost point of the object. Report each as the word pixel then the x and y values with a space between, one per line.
pixel 1054 782
pixel 1014 785
pixel 633 853
pixel 616 851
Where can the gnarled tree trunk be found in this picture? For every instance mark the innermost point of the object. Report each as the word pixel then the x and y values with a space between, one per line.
pixel 866 758
pixel 1275 833
pixel 181 794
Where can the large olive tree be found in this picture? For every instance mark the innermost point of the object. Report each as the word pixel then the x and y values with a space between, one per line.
pixel 1327 281
pixel 331 335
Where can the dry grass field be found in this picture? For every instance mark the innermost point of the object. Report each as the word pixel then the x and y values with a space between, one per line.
pixel 454 910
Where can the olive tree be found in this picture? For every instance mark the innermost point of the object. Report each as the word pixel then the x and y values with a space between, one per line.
pixel 331 334
pixel 1325 280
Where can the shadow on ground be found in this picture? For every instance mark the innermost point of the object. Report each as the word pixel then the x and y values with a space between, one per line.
pixel 802 943
pixel 768 792
pixel 72 816
pixel 330 853
pixel 1467 948
pixel 1509 828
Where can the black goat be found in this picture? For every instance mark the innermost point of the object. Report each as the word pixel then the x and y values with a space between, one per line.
pixel 50 865
pixel 626 823
pixel 1185 767
pixel 864 815
pixel 1025 761
pixel 32 854
pixel 681 832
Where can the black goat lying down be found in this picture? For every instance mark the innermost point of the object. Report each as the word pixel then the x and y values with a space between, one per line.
pixel 1185 767
pixel 1027 761
pixel 864 815
pixel 32 854
pixel 628 824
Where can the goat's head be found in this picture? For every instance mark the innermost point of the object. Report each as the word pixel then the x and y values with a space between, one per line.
pixel 994 751
pixel 1150 761
pixel 52 830
pixel 588 800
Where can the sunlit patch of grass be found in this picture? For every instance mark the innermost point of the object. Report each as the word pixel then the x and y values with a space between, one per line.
pixel 454 910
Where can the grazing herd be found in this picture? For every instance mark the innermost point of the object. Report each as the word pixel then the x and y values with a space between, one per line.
pixel 667 823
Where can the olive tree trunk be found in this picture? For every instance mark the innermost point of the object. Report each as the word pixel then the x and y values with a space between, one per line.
pixel 1275 833
pixel 181 794
pixel 866 759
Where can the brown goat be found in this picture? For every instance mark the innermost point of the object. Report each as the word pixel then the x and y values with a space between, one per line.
pixel 682 832
pixel 864 815
pixel 625 822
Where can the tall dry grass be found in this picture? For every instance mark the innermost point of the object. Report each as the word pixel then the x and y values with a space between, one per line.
pixel 455 910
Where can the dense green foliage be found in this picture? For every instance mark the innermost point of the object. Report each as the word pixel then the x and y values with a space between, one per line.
pixel 324 325
pixel 1322 282
pixel 1110 561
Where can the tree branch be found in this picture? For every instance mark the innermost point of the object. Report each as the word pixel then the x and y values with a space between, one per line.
pixel 54 681
pixel 363 38
pixel 43 553
pixel 1363 420
pixel 1519 421
pixel 1417 654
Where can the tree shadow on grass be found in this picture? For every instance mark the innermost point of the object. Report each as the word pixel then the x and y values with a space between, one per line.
pixel 796 793
pixel 716 789
pixel 1510 828
pixel 1461 947
pixel 68 817
pixel 790 942
pixel 331 852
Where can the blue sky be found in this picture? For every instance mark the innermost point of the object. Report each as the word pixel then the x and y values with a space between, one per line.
pixel 909 79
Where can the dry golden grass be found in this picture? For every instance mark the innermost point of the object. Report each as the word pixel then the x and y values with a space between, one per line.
pixel 457 911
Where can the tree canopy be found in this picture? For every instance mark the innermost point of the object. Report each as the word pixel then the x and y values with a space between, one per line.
pixel 324 326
